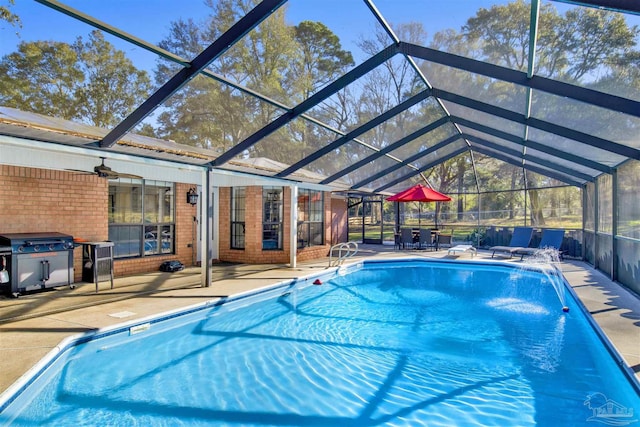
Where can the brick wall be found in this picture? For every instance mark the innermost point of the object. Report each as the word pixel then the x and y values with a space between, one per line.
pixel 253 252
pixel 39 200
pixel 339 218
pixel 74 203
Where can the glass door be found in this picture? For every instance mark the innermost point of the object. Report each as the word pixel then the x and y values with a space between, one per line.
pixel 372 220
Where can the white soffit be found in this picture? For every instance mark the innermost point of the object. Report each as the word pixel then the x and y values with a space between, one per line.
pixel 35 154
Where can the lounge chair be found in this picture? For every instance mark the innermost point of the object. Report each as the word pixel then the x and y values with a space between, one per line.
pixel 519 240
pixel 551 240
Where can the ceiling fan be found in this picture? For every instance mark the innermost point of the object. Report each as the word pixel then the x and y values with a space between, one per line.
pixel 104 171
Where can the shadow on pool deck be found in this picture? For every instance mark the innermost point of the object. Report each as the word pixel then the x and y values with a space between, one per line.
pixel 32 325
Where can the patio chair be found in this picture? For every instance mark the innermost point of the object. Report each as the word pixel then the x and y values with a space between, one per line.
pixel 444 240
pixel 426 239
pixel 406 238
pixel 397 241
pixel 551 240
pixel 519 240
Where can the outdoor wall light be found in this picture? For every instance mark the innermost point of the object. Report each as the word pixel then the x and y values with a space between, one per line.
pixel 192 196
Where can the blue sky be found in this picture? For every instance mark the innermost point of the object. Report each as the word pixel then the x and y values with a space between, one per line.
pixel 150 19
pixel 350 19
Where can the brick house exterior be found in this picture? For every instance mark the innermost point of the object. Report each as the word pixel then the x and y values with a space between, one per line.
pixel 39 200
pixel 75 203
pixel 253 252
pixel 339 220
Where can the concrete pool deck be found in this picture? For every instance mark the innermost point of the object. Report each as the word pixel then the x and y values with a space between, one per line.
pixel 34 324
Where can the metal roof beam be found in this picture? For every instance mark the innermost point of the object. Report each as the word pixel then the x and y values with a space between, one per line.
pixel 527 157
pixel 532 144
pixel 555 87
pixel 150 47
pixel 594 141
pixel 508 159
pixel 424 168
pixel 385 25
pixel 531 63
pixel 585 138
pixel 309 103
pixel 533 36
pixel 110 29
pixel 182 77
pixel 357 132
pixel 624 6
pixel 389 148
pixel 407 161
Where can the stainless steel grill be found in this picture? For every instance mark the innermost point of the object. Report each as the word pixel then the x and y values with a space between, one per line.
pixel 38 261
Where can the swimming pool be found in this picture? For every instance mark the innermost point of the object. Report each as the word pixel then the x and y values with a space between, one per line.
pixel 410 342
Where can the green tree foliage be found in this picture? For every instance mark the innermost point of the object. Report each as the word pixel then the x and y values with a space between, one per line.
pixel 596 39
pixel 504 31
pixel 112 86
pixel 584 46
pixel 205 112
pixel 87 81
pixel 321 61
pixel 198 122
pixel 42 77
pixel 628 215
pixel 282 62
pixel 569 46
pixel 8 16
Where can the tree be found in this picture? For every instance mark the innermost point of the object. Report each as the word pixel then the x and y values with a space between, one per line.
pixel 596 38
pixel 283 62
pixel 381 89
pixel 569 46
pixel 504 30
pixel 214 115
pixel 585 46
pixel 8 16
pixel 322 58
pixel 42 77
pixel 112 85
pixel 188 117
pixel 91 82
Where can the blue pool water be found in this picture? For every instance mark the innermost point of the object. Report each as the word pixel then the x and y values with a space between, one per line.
pixel 409 343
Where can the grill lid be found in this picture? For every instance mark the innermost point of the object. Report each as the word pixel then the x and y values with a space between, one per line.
pixel 52 240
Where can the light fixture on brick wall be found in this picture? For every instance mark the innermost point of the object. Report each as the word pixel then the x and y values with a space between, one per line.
pixel 192 196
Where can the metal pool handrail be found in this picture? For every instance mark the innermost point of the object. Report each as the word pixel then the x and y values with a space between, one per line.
pixel 351 249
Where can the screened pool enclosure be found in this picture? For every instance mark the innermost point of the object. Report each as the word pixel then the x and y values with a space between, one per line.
pixel 522 112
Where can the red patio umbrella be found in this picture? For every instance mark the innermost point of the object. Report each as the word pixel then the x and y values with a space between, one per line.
pixel 420 193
